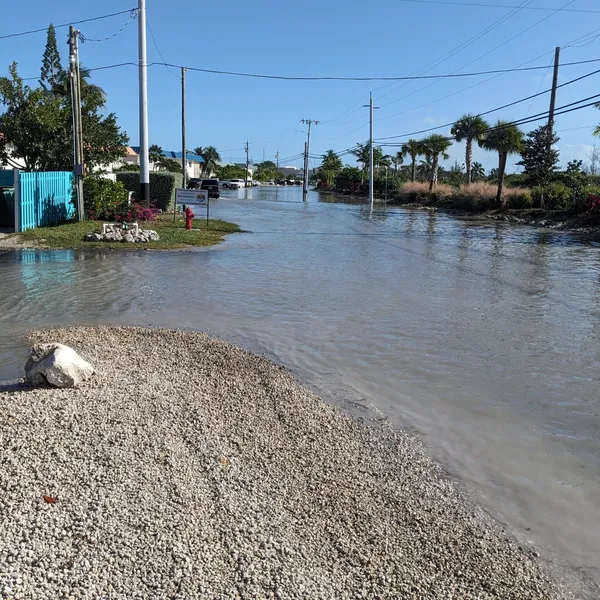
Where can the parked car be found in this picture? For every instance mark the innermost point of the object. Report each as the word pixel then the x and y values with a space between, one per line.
pixel 194 183
pixel 212 186
pixel 270 183
pixel 235 184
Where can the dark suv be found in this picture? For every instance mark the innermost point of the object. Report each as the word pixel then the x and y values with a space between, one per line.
pixel 212 186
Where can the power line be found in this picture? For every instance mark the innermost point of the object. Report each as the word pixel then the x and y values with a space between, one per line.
pixel 567 108
pixel 477 4
pixel 486 53
pixel 337 78
pixel 44 29
pixel 487 112
pixel 434 63
pixel 132 16
pixel 158 49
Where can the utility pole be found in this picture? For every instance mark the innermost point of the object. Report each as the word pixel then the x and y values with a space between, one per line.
pixel 247 164
pixel 76 110
pixel 183 151
pixel 143 102
pixel 371 175
pixel 277 158
pixel 554 86
pixel 308 122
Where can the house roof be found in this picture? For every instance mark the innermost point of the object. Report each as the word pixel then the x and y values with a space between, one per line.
pixel 170 154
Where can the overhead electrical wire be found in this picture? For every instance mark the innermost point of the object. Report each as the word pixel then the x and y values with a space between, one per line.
pixel 432 64
pixel 514 37
pixel 561 110
pixel 133 15
pixel 44 29
pixel 481 5
pixel 487 112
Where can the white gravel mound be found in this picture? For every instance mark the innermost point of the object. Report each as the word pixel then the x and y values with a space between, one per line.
pixel 189 468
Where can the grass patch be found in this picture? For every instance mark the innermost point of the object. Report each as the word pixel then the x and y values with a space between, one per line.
pixel 173 234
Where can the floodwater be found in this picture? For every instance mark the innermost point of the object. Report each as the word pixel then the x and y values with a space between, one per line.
pixel 482 338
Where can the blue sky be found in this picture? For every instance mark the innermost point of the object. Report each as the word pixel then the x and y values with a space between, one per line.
pixel 335 37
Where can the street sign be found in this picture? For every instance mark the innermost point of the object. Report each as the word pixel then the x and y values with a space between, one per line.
pixel 191 196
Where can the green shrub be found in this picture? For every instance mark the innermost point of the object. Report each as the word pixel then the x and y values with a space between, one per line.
pixel 519 200
pixel 103 198
pixel 162 187
pixel 557 196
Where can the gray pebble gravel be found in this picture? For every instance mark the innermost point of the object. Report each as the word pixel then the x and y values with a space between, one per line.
pixel 189 468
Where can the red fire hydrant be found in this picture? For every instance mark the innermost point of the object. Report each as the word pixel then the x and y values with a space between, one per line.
pixel 189 215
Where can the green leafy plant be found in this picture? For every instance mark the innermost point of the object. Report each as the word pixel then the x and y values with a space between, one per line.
pixel 103 199
pixel 162 187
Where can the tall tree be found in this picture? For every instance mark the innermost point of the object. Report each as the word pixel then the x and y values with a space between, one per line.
pixel 331 165
pixel 38 124
pixel 435 145
pixel 361 152
pixel 504 138
pixel 51 72
pixel 155 156
pixel 477 172
pixel 397 160
pixel 469 128
pixel 538 157
pixel 412 148
pixel 211 157
pixel 596 131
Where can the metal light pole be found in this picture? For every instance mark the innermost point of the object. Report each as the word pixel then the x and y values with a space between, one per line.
pixel 143 76
pixel 183 151
pixel 371 182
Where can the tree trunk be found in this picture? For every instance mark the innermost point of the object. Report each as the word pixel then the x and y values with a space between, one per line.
pixel 434 173
pixel 468 158
pixel 502 156
pixel 414 168
pixel 542 199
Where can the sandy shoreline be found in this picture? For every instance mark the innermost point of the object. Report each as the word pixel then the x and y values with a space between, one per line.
pixel 189 468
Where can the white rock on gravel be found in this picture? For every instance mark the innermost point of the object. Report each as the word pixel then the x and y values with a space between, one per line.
pixel 56 365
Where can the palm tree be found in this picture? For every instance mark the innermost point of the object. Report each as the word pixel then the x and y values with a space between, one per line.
pixel 331 165
pixel 63 86
pixel 436 145
pixel 155 155
pixel 412 148
pixel 477 172
pixel 211 157
pixel 504 138
pixel 469 128
pixel 397 160
pixel 596 131
pixel 362 154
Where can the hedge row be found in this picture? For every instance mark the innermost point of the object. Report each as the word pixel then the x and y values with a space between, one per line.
pixel 162 186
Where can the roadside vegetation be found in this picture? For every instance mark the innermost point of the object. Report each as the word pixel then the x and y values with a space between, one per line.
pixel 414 174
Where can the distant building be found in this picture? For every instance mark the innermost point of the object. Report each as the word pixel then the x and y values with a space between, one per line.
pixel 295 172
pixel 193 163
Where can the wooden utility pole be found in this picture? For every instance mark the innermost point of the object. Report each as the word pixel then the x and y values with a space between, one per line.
pixel 554 86
pixel 76 110
pixel 247 163
pixel 308 122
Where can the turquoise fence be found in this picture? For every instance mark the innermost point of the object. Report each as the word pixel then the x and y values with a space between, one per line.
pixel 44 199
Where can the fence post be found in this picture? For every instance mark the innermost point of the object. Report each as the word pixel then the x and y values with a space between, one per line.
pixel 17 199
